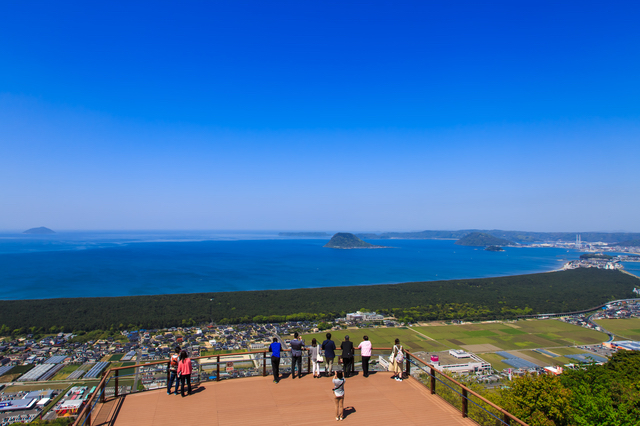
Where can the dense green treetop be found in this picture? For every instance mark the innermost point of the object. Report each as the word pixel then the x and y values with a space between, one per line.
pixel 472 299
pixel 595 256
pixel 479 239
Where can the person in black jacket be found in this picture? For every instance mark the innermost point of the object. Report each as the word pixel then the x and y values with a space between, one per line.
pixel 347 355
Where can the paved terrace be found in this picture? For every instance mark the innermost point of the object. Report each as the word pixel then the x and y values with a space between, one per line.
pixel 258 401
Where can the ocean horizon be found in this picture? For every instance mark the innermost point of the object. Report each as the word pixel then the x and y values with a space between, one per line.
pixel 106 264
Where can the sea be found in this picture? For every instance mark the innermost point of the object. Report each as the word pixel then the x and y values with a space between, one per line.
pixel 96 264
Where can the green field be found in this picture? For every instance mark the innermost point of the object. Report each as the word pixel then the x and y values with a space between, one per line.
pixel 524 334
pixel 624 329
pixel 65 371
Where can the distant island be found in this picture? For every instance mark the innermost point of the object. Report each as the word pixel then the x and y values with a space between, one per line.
pixel 494 248
pixel 519 237
pixel 596 256
pixel 40 230
pixel 303 234
pixel 479 239
pixel 344 240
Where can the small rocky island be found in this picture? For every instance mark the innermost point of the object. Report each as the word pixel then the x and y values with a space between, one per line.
pixel 494 248
pixel 344 240
pixel 41 230
pixel 479 239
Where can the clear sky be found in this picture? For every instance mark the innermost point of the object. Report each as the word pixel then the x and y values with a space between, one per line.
pixel 351 116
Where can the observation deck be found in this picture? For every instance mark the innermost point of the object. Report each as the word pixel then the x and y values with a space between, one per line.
pixel 376 399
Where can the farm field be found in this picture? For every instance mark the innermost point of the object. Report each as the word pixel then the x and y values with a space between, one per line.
pixel 65 371
pixel 382 338
pixel 624 329
pixel 526 334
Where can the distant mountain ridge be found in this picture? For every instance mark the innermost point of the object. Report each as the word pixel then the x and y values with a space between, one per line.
pixel 41 230
pixel 479 239
pixel 522 237
pixel 344 240
pixel 303 234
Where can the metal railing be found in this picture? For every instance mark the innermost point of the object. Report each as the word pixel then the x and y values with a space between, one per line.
pixel 257 363
pixel 453 391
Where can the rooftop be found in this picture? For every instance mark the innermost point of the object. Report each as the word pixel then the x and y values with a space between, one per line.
pixel 306 401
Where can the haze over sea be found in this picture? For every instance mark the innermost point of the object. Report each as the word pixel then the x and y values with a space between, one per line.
pixel 88 264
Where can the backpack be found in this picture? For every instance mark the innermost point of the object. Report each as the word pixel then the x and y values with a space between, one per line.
pixel 400 355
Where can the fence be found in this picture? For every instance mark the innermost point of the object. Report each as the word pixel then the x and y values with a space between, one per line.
pixel 118 381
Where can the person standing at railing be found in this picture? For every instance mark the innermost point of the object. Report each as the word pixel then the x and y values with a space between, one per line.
pixel 296 355
pixel 184 371
pixel 275 349
pixel 314 351
pixel 365 353
pixel 395 361
pixel 329 349
pixel 338 391
pixel 172 370
pixel 347 356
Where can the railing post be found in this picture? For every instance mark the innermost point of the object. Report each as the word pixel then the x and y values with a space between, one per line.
pixel 88 422
pixel 465 403
pixel 507 419
pixel 308 361
pixel 218 370
pixel 407 364
pixel 433 381
pixel 117 388
pixel 102 388
pixel 264 364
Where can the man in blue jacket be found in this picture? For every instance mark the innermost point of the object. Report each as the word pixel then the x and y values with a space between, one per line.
pixel 329 354
pixel 274 348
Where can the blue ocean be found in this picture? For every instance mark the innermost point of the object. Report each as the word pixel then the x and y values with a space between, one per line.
pixel 87 264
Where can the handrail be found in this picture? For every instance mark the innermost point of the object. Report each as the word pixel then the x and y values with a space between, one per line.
pixel 101 391
pixel 483 399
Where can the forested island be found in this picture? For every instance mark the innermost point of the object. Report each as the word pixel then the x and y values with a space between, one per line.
pixel 494 248
pixel 41 230
pixel 344 240
pixel 601 256
pixel 468 299
pixel 479 239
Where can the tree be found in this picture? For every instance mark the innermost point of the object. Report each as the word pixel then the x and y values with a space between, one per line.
pixel 538 400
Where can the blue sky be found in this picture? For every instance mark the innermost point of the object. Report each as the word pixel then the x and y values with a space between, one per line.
pixel 358 116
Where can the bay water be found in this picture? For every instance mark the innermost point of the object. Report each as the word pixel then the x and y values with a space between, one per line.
pixel 88 264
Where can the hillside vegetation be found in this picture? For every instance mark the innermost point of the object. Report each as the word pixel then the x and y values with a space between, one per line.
pixel 479 239
pixel 472 299
pixel 344 240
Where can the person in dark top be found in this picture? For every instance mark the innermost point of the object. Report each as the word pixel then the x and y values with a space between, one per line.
pixel 296 355
pixel 329 354
pixel 275 348
pixel 347 356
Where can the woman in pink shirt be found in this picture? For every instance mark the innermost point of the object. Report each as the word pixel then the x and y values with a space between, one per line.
pixel 184 371
pixel 365 353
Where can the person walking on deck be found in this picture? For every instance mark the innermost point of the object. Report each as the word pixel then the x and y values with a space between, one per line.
pixel 329 349
pixel 365 353
pixel 347 356
pixel 172 370
pixel 296 355
pixel 275 348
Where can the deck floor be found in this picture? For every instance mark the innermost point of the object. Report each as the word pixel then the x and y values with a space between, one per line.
pixel 376 400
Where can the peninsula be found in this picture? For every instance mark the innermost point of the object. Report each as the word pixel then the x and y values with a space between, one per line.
pixel 344 240
pixel 41 230
pixel 479 239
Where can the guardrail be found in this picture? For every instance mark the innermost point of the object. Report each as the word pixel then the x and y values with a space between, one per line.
pixel 84 418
